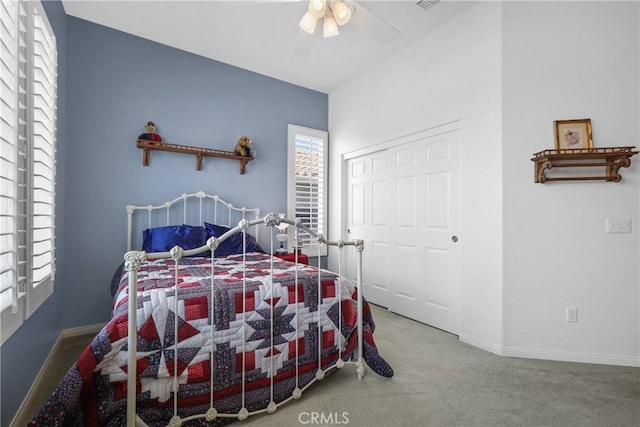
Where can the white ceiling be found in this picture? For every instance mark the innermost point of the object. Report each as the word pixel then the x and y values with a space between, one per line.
pixel 260 35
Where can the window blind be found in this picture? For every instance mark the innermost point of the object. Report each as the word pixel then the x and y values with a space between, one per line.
pixel 307 183
pixel 28 79
pixel 43 151
pixel 10 51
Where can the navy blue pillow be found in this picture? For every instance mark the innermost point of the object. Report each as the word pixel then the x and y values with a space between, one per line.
pixel 233 245
pixel 162 239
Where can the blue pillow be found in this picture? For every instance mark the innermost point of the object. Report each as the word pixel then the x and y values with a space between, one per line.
pixel 162 239
pixel 233 245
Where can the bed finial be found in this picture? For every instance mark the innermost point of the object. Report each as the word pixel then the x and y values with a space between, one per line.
pixel 243 414
pixel 272 220
pixel 176 253
pixel 130 209
pixel 213 243
pixel 297 393
pixel 211 414
pixel 132 260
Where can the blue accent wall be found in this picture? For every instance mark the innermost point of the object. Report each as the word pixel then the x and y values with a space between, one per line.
pixel 110 85
pixel 115 84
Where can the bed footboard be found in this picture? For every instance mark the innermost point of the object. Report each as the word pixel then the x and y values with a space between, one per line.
pixel 133 261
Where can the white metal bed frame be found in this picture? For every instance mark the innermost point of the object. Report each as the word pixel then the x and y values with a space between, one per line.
pixel 134 258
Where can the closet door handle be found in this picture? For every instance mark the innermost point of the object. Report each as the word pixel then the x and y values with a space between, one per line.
pixel 454 239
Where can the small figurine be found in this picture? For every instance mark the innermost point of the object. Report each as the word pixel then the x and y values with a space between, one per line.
pixel 243 147
pixel 150 134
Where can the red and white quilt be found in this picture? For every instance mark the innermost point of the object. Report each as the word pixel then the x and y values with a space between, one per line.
pixel 269 323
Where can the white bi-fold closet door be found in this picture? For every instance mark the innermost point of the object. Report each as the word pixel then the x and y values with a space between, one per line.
pixel 403 200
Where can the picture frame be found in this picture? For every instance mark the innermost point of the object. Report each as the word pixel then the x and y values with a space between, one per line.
pixel 575 133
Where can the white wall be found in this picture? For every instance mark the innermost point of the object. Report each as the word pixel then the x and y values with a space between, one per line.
pixel 508 70
pixel 566 60
pixel 454 73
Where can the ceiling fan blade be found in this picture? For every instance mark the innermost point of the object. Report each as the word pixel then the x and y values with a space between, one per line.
pixel 302 44
pixel 365 20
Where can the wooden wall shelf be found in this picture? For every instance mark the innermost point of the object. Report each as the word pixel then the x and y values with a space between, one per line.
pixel 199 152
pixel 611 158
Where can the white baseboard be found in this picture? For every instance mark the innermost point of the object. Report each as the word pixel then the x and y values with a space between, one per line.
pixel 64 334
pixel 572 356
pixel 480 343
pixel 81 330
pixel 557 355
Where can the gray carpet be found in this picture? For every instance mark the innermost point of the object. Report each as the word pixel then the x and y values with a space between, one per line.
pixel 440 381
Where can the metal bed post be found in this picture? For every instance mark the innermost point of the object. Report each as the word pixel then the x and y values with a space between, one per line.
pixel 176 253
pixel 132 263
pixel 130 210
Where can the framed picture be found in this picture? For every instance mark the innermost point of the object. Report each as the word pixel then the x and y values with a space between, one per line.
pixel 573 134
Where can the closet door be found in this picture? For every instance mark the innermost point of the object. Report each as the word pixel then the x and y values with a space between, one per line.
pixel 369 216
pixel 403 202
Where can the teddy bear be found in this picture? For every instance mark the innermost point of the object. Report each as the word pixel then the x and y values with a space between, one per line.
pixel 243 147
pixel 151 133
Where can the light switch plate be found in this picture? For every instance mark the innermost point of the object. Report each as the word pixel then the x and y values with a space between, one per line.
pixel 618 226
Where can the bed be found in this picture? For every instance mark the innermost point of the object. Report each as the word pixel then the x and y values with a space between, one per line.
pixel 274 328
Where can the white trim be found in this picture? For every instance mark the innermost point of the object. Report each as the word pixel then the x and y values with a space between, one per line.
pixel 410 137
pixel 572 356
pixel 555 355
pixel 46 366
pixel 11 321
pixel 82 330
pixel 480 343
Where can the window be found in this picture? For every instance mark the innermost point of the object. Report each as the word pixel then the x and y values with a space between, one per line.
pixel 28 74
pixel 307 182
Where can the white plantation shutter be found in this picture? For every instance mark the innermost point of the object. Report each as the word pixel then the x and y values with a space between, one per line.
pixel 28 63
pixel 9 53
pixel 308 180
pixel 43 132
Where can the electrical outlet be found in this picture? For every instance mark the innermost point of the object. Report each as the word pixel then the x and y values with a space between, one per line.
pixel 572 314
pixel 618 226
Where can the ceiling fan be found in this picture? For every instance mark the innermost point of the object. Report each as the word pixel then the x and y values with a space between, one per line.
pixel 334 13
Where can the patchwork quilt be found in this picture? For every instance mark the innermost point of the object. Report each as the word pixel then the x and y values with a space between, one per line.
pixel 274 323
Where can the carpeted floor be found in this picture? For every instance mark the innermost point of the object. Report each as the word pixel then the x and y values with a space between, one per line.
pixel 68 351
pixel 440 381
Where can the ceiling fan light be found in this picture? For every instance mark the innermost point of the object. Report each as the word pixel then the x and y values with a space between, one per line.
pixel 317 8
pixel 308 23
pixel 341 12
pixel 329 27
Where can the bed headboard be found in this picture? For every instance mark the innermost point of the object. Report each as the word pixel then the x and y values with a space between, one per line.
pixel 192 209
